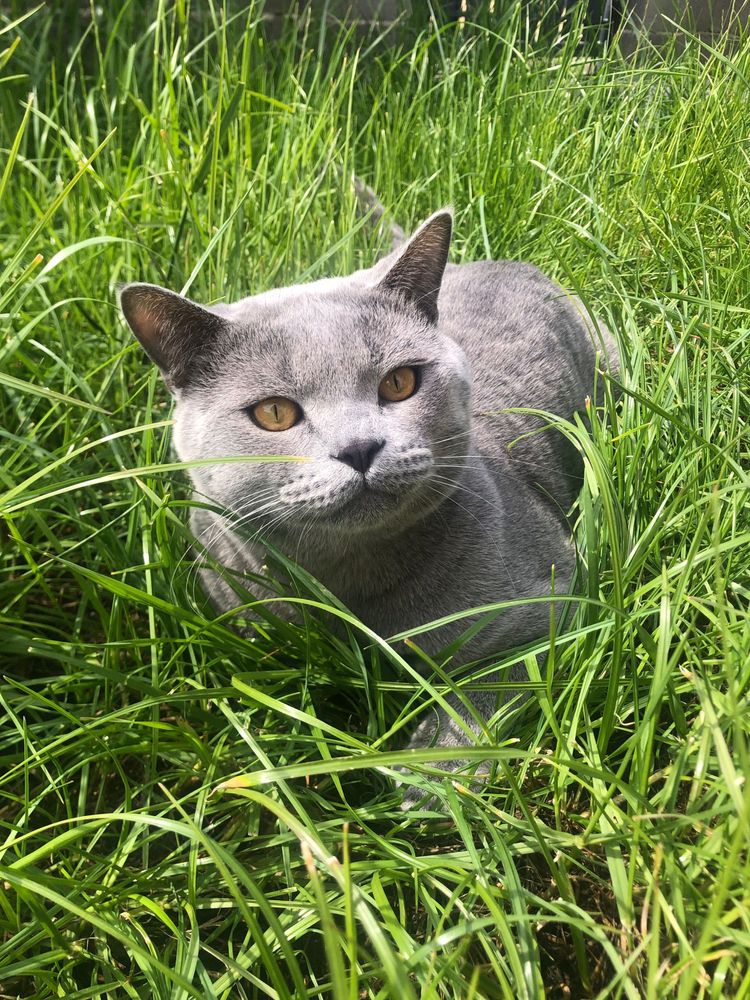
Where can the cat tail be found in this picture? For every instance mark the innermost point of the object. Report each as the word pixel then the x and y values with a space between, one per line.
pixel 369 202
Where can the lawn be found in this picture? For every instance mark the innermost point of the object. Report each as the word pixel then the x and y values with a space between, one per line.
pixel 188 813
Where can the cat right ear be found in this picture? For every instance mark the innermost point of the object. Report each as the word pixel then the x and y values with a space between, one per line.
pixel 417 272
pixel 173 331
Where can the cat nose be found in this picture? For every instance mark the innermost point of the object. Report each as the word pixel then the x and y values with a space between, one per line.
pixel 360 455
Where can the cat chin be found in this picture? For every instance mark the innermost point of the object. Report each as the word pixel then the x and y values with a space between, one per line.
pixel 363 510
pixel 369 509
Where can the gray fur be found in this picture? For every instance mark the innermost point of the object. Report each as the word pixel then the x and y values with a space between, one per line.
pixel 447 518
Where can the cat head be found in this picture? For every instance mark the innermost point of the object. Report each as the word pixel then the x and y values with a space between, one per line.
pixel 352 375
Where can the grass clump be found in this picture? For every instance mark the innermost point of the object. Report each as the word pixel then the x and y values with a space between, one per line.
pixel 186 813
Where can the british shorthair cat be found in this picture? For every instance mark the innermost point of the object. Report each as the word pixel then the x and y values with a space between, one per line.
pixel 395 384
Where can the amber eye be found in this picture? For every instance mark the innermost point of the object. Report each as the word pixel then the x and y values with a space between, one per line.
pixel 275 413
pixel 398 384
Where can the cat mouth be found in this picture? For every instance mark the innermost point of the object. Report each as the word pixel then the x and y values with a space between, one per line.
pixel 359 501
pixel 367 506
pixel 363 496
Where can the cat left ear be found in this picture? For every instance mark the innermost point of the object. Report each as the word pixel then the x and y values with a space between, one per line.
pixel 175 332
pixel 418 271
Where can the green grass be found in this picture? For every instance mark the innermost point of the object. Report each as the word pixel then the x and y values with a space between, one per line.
pixel 186 813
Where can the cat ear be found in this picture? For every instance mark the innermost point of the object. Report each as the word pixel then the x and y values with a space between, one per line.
pixel 418 271
pixel 173 331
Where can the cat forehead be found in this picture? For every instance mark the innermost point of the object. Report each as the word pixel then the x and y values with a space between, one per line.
pixel 337 309
pixel 302 337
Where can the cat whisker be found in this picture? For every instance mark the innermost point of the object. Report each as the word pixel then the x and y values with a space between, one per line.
pixel 239 516
pixel 463 489
pixel 495 462
pixel 192 577
pixel 485 531
pixel 453 437
pixel 225 526
pixel 541 465
pixel 502 472
pixel 306 531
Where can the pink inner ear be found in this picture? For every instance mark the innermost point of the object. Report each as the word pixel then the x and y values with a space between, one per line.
pixel 141 317
pixel 151 311
pixel 171 329
pixel 149 314
pixel 418 272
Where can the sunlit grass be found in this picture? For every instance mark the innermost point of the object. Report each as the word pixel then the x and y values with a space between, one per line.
pixel 185 812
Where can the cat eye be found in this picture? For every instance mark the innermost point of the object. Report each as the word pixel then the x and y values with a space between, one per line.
pixel 275 413
pixel 398 384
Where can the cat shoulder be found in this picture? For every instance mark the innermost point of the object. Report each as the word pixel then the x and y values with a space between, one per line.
pixel 502 274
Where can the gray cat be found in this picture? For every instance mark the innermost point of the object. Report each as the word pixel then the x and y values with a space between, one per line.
pixel 392 382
